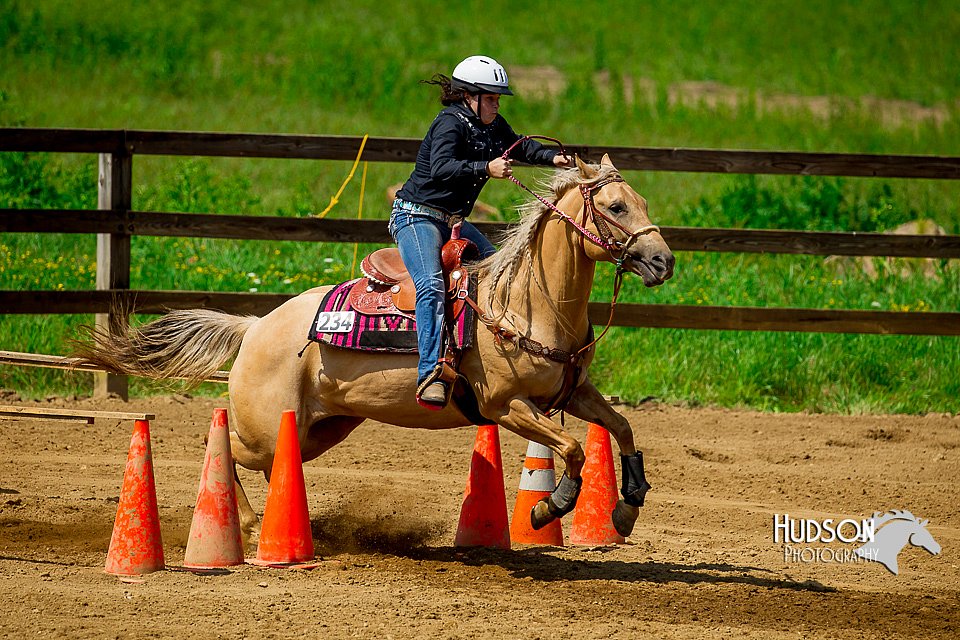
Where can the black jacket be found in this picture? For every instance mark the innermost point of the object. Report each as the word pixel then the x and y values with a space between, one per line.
pixel 451 166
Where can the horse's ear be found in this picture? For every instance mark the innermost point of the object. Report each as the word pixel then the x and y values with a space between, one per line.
pixel 924 523
pixel 605 161
pixel 586 171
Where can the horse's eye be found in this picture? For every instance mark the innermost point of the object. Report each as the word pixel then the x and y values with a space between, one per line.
pixel 617 208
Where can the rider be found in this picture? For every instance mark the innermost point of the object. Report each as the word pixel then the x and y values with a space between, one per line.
pixel 462 150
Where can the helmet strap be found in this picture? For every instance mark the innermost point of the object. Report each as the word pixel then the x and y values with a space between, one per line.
pixel 479 109
pixel 479 104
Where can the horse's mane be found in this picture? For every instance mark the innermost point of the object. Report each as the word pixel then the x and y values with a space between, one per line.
pixel 879 520
pixel 516 242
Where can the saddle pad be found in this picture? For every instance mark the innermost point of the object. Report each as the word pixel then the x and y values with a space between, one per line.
pixel 337 323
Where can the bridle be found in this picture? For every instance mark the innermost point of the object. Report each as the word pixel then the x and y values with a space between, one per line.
pixel 601 222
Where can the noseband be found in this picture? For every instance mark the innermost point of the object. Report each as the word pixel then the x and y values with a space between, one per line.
pixel 605 240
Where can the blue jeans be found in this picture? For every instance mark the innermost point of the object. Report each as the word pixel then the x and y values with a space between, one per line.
pixel 420 236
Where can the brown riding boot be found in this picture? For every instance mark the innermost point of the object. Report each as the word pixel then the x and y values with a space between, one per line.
pixel 435 394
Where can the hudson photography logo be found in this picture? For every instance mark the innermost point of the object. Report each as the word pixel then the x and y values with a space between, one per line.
pixel 879 538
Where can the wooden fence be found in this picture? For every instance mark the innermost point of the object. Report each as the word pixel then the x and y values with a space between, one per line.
pixel 115 222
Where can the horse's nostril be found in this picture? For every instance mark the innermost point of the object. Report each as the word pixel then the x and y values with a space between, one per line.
pixel 661 262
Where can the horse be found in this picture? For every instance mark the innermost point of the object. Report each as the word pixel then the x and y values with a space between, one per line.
pixel 532 295
pixel 901 527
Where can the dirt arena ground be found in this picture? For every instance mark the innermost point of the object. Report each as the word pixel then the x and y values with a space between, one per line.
pixel 384 505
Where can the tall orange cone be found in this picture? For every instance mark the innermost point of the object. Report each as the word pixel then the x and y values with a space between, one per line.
pixel 215 531
pixel 135 546
pixel 285 535
pixel 592 521
pixel 483 515
pixel 537 481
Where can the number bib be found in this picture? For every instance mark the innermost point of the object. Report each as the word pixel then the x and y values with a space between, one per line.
pixel 335 321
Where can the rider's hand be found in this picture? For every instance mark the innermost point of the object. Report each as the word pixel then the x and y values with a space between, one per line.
pixel 499 168
pixel 561 160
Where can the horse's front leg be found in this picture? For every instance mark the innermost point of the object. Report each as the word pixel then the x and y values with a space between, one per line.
pixel 587 404
pixel 524 419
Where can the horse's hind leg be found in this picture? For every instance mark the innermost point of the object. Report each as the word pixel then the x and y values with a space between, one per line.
pixel 249 523
pixel 322 435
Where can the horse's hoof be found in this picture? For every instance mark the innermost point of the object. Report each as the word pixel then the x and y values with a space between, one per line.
pixel 250 537
pixel 540 515
pixel 624 517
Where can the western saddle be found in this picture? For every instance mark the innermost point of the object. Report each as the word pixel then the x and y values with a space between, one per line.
pixel 388 289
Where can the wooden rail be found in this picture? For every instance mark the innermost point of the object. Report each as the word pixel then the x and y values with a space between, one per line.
pixel 115 223
pixel 70 414
pixel 71 364
pixel 237 227
pixel 626 315
pixel 250 145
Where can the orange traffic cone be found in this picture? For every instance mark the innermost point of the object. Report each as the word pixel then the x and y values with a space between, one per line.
pixel 537 481
pixel 592 520
pixel 483 515
pixel 215 530
pixel 135 546
pixel 285 535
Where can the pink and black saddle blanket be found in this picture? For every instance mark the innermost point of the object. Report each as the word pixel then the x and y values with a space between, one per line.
pixel 359 314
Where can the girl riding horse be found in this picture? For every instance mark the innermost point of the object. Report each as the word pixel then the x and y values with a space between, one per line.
pixel 462 150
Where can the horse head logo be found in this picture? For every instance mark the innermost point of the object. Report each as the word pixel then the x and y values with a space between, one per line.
pixel 899 528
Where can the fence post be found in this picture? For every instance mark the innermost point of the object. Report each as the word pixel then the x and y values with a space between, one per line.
pixel 115 191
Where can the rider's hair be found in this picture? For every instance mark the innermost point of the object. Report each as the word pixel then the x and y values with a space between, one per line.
pixel 448 94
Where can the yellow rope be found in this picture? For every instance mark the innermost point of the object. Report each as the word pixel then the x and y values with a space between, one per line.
pixel 335 199
pixel 356 245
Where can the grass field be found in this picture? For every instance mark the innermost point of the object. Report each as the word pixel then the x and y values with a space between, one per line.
pixel 872 77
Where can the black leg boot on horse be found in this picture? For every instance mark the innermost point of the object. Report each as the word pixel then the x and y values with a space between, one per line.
pixel 562 501
pixel 634 490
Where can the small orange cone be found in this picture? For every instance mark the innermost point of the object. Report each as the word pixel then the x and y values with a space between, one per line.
pixel 135 546
pixel 483 515
pixel 592 520
pixel 215 531
pixel 285 534
pixel 537 481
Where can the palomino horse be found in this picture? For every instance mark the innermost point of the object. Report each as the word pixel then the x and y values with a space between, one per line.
pixel 533 294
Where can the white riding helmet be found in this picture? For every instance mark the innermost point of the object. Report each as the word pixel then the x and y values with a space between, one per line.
pixel 480 74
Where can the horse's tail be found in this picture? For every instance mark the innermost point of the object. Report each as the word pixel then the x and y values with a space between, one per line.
pixel 190 345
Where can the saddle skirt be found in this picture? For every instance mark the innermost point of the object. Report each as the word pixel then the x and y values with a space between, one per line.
pixel 376 312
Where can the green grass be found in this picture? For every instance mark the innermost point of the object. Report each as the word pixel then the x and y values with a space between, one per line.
pixel 333 69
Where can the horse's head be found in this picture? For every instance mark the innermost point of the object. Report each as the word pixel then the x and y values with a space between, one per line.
pixel 618 216
pixel 924 539
pixel 893 530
